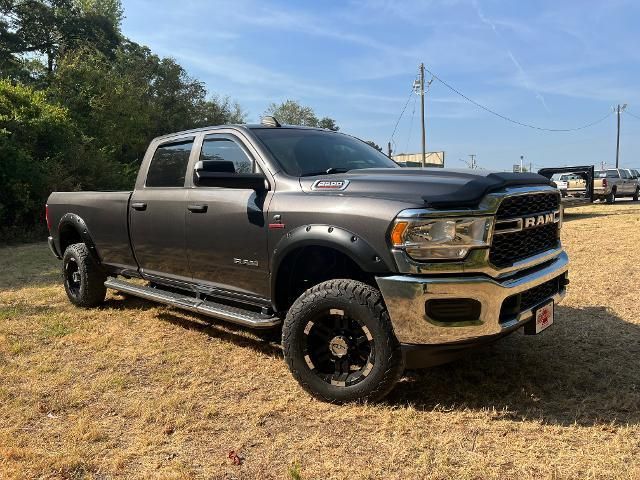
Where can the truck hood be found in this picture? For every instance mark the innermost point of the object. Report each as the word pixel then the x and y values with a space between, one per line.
pixel 434 187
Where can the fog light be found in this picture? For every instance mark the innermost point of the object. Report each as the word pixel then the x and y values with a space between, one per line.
pixel 453 310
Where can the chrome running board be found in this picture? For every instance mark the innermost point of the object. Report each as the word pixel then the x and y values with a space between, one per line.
pixel 230 314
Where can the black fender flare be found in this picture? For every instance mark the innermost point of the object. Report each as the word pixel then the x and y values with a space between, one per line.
pixel 340 239
pixel 72 220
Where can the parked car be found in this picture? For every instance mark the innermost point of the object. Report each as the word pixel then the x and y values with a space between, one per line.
pixel 562 183
pixel 570 184
pixel 615 183
pixel 367 267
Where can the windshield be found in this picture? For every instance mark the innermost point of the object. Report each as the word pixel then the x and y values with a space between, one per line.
pixel 303 153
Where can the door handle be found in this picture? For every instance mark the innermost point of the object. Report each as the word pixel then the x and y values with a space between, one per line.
pixel 197 208
pixel 140 206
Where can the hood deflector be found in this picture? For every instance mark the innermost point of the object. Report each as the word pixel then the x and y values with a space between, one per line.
pixel 477 188
pixel 434 187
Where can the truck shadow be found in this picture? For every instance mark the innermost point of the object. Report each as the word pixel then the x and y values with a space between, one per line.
pixel 225 332
pixel 585 371
pixel 213 328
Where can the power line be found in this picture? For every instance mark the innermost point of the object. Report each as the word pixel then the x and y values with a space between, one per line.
pixel 401 114
pixel 413 114
pixel 504 117
pixel 633 115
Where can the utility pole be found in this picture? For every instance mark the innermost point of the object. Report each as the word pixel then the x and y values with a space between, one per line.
pixel 521 162
pixel 619 109
pixel 389 149
pixel 473 161
pixel 424 141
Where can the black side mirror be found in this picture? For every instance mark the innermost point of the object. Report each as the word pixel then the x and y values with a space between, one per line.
pixel 220 173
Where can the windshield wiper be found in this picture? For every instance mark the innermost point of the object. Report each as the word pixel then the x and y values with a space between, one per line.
pixel 328 171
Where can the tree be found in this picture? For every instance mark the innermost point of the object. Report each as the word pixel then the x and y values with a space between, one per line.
pixel 374 145
pixel 41 151
pixel 122 103
pixel 50 28
pixel 328 123
pixel 110 9
pixel 291 112
pixel 219 111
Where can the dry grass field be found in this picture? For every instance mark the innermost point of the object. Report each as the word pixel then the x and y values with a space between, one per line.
pixel 136 390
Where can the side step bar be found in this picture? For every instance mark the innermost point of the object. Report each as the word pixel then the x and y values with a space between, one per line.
pixel 235 315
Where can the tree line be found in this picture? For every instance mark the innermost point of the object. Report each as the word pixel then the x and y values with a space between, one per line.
pixel 79 103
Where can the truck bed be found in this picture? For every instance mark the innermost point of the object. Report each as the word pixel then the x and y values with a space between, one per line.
pixel 106 217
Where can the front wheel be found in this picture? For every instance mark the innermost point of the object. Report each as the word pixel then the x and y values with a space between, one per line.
pixel 83 277
pixel 339 343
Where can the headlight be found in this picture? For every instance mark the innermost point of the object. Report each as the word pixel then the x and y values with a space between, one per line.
pixel 441 238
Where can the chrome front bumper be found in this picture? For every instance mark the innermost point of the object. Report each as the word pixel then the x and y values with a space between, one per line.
pixel 406 296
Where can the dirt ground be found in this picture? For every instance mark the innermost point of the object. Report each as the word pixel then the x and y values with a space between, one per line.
pixel 136 390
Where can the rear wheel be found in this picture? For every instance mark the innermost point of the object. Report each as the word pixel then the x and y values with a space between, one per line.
pixel 339 343
pixel 83 277
pixel 636 195
pixel 611 198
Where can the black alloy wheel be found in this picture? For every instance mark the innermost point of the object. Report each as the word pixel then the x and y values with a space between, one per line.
pixel 338 349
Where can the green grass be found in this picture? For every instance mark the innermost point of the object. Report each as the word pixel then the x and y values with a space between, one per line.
pixel 56 328
pixel 30 264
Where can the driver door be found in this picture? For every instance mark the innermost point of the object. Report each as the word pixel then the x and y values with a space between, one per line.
pixel 226 228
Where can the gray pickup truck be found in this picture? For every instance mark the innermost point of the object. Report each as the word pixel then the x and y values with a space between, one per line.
pixel 367 268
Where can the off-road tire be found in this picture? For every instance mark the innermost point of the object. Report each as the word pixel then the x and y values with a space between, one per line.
pixel 611 198
pixel 90 290
pixel 360 302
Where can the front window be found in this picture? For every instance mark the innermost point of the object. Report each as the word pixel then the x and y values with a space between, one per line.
pixel 223 149
pixel 304 153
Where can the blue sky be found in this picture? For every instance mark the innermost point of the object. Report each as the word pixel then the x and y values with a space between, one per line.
pixel 548 63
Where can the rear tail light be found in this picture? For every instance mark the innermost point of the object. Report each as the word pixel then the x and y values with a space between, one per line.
pixel 604 182
pixel 46 216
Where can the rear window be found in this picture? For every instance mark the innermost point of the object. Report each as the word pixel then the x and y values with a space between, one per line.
pixel 169 165
pixel 607 174
pixel 303 152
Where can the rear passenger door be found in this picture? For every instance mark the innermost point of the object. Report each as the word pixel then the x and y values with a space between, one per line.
pixel 226 228
pixel 158 210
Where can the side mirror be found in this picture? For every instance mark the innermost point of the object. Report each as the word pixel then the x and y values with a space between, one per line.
pixel 220 173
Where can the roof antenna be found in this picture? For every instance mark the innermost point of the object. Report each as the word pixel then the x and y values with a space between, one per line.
pixel 270 121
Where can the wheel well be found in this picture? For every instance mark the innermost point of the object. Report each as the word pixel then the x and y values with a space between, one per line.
pixel 307 266
pixel 68 236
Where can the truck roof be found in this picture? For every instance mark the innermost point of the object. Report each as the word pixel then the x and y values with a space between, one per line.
pixel 240 126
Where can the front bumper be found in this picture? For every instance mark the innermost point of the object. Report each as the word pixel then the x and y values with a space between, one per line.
pixel 406 296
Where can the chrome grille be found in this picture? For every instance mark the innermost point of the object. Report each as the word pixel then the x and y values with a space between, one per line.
pixel 508 248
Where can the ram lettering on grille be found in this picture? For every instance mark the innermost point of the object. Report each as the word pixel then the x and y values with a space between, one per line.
pixel 531 228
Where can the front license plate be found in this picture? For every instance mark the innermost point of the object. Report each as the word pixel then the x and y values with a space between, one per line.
pixel 544 317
